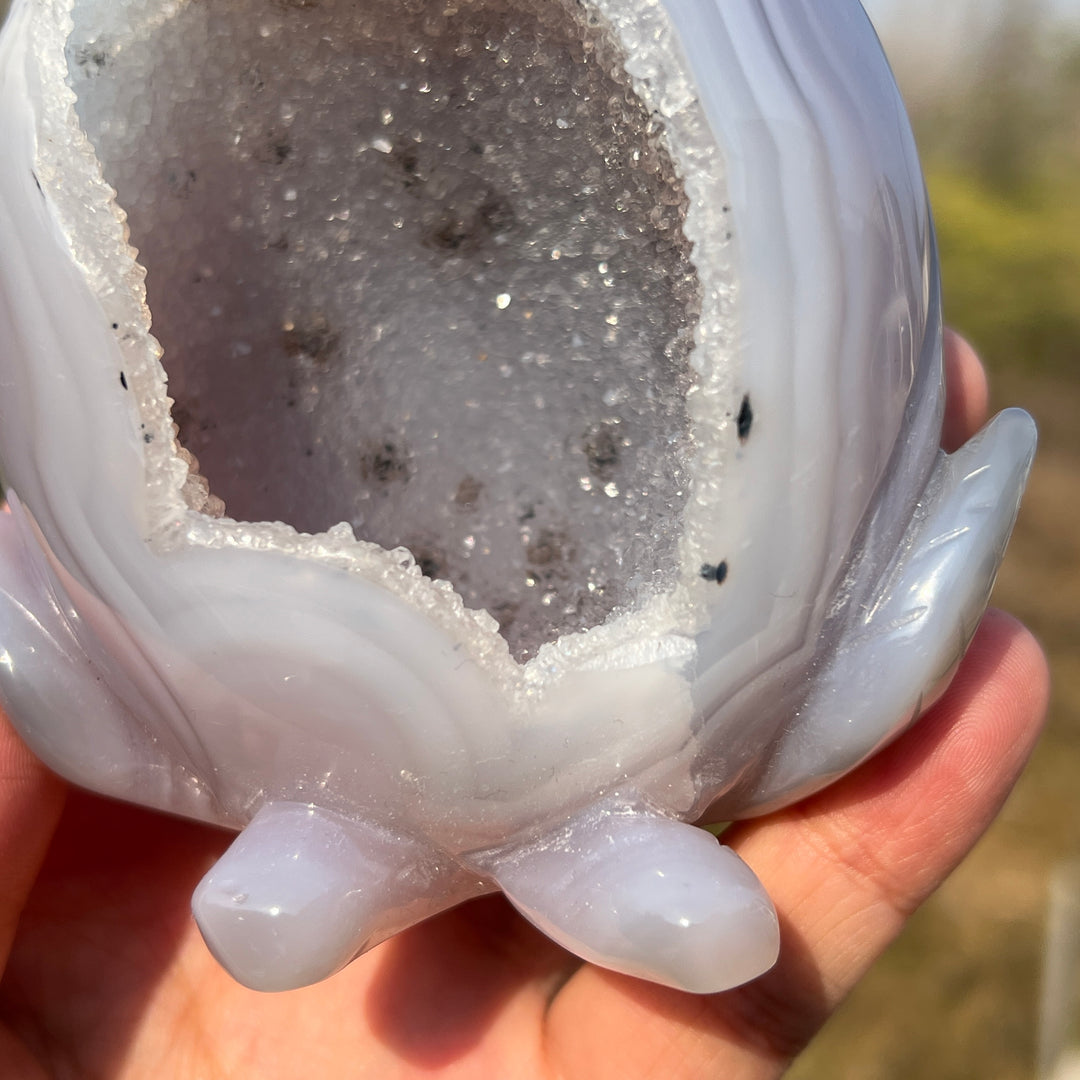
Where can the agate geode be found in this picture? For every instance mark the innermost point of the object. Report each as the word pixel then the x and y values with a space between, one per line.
pixel 547 458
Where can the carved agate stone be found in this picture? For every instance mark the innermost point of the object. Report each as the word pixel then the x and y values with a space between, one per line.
pixel 461 443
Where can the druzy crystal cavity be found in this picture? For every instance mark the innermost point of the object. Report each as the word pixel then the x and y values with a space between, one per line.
pixel 417 268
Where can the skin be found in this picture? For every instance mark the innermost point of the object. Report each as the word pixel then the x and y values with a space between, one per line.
pixel 106 975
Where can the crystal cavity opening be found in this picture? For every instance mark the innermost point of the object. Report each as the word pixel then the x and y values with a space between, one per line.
pixel 419 267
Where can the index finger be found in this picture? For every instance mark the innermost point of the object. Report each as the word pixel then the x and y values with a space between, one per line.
pixel 967 392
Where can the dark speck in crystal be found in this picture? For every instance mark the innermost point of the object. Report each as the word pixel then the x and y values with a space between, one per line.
pixel 384 464
pixel 745 420
pixel 468 492
pixel 602 452
pixel 311 341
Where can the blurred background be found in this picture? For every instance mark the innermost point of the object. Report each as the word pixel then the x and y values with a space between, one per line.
pixel 993 87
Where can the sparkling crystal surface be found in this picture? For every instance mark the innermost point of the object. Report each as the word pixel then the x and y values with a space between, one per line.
pixel 416 267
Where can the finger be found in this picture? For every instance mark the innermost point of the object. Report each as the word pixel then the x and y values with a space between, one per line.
pixel 31 798
pixel 855 862
pixel 845 869
pixel 967 393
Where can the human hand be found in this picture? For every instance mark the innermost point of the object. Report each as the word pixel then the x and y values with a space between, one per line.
pixel 108 977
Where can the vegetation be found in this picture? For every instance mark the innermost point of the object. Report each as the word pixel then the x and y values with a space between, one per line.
pixel 1001 148
pixel 1011 266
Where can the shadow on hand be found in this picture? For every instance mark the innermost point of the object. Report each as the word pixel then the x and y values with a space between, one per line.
pixel 441 986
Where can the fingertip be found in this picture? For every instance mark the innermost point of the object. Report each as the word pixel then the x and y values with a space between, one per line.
pixel 961 759
pixel 967 392
pixel 1005 680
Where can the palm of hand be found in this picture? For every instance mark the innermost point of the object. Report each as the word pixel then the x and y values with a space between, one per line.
pixel 108 976
pixel 111 978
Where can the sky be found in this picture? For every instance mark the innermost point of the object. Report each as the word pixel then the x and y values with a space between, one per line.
pixel 946 24
pixel 888 11
pixel 926 39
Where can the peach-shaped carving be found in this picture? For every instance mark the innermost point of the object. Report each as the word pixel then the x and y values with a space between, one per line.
pixel 566 383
